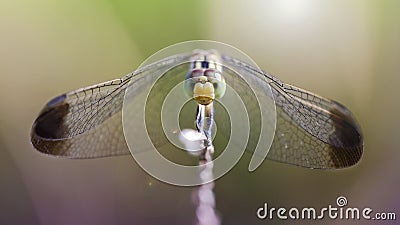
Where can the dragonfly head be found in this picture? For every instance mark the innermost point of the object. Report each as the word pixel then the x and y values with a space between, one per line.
pixel 204 85
pixel 204 82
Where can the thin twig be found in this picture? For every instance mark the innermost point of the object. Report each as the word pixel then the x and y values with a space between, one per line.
pixel 205 198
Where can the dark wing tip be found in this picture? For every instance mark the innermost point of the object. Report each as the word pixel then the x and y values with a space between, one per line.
pixel 50 122
pixel 347 138
pixel 47 147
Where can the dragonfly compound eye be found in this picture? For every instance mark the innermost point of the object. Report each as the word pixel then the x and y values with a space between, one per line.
pixel 219 87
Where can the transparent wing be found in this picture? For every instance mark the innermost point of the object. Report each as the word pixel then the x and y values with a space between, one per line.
pixel 311 131
pixel 87 123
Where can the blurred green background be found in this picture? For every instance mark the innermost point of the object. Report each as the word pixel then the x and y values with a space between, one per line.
pixel 345 50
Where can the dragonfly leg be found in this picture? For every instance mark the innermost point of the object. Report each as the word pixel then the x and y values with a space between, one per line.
pixel 204 125
pixel 208 126
pixel 200 118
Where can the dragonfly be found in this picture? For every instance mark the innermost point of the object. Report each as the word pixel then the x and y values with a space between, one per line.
pixel 311 131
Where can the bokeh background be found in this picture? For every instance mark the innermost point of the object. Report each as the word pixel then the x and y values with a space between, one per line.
pixel 346 50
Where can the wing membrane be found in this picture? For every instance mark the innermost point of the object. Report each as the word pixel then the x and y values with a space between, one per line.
pixel 311 131
pixel 90 115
